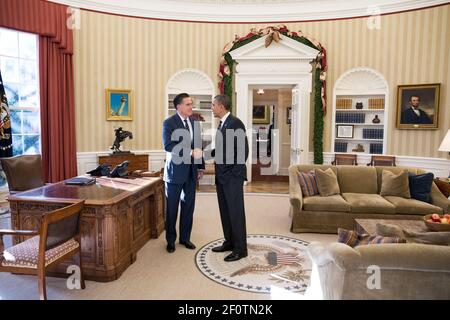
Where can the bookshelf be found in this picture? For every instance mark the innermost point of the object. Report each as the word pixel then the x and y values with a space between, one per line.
pixel 360 114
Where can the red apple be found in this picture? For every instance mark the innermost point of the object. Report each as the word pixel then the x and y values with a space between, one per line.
pixel 447 216
pixel 435 217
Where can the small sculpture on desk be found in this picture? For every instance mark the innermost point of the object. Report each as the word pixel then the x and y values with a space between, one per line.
pixel 359 148
pixel 121 135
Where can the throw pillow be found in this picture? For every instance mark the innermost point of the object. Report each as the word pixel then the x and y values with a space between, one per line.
pixel 420 186
pixel 308 183
pixel 395 184
pixel 354 239
pixel 327 182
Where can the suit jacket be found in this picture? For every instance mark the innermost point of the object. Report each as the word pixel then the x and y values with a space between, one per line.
pixel 227 153
pixel 175 172
pixel 409 116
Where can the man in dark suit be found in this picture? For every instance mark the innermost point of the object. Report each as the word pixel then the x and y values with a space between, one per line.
pixel 184 166
pixel 230 155
pixel 414 115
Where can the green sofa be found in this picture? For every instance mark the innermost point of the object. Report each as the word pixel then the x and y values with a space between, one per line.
pixel 360 198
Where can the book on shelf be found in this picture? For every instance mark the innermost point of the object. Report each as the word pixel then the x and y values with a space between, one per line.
pixel 373 133
pixel 376 103
pixel 340 146
pixel 376 148
pixel 343 103
pixel 350 117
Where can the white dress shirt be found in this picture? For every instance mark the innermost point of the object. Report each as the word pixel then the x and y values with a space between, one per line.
pixel 224 118
pixel 189 125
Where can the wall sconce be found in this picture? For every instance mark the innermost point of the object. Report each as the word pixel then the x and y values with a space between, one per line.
pixel 260 91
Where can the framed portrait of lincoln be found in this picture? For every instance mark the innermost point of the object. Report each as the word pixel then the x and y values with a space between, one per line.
pixel 418 106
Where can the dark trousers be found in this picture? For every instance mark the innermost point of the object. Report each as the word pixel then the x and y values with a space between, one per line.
pixel 232 214
pixel 174 193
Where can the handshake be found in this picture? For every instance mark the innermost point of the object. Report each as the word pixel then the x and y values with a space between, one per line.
pixel 197 153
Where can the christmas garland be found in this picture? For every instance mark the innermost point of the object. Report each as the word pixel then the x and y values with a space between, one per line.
pixel 273 34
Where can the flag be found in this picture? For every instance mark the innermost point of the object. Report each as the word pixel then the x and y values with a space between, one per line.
pixel 6 149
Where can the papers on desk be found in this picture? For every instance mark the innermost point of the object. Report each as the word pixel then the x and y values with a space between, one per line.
pixel 124 184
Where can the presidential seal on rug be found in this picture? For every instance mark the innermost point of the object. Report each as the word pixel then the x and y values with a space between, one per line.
pixel 272 261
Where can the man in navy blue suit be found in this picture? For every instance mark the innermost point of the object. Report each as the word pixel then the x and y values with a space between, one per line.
pixel 230 155
pixel 184 166
pixel 414 115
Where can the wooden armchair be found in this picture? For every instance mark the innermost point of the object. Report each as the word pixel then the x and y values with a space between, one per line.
pixel 57 239
pixel 23 172
pixel 345 159
pixel 382 161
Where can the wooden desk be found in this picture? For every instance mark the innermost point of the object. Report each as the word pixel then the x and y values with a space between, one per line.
pixel 137 161
pixel 119 217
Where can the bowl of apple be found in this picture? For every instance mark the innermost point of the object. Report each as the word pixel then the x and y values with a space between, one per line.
pixel 434 222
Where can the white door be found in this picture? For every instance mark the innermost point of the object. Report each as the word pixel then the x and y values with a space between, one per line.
pixel 298 154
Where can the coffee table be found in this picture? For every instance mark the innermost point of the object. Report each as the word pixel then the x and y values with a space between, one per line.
pixel 369 225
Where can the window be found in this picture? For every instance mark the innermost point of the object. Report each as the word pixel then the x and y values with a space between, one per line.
pixel 20 72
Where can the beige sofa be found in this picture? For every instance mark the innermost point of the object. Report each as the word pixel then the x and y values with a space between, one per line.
pixel 382 271
pixel 360 198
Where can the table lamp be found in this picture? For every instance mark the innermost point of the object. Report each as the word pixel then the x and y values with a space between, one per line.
pixel 445 145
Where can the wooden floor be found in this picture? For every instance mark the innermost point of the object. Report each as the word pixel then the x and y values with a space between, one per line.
pixel 257 176
pixel 255 187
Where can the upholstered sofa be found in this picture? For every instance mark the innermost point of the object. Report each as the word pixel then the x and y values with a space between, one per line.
pixel 359 198
pixel 382 271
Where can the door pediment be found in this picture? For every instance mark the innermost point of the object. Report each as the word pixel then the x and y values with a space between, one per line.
pixel 285 49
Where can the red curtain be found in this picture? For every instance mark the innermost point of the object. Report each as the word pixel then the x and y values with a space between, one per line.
pixel 56 80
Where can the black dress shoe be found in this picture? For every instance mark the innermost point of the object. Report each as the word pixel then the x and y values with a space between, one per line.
pixel 188 245
pixel 222 248
pixel 170 247
pixel 234 256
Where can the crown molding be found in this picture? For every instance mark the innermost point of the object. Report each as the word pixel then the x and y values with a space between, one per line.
pixel 250 11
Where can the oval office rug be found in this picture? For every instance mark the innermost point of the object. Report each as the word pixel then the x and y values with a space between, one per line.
pixel 272 260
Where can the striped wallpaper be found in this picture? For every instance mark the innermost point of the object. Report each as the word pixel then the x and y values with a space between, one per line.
pixel 141 54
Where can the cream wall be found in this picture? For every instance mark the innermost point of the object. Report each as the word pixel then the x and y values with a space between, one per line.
pixel 121 52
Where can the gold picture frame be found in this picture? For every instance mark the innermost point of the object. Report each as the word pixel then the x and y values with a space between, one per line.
pixel 426 97
pixel 119 104
pixel 261 114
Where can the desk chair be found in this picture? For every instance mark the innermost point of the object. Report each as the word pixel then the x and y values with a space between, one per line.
pixel 23 172
pixel 382 161
pixel 57 239
pixel 345 159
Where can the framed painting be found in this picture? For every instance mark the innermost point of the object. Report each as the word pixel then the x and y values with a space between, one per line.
pixel 119 104
pixel 418 106
pixel 344 131
pixel 261 115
